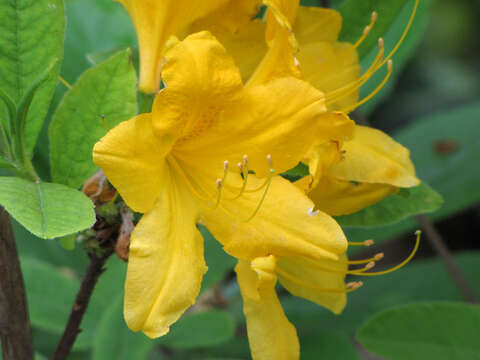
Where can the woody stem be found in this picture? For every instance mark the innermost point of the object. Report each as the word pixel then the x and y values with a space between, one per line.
pixel 438 244
pixel 72 329
pixel 15 333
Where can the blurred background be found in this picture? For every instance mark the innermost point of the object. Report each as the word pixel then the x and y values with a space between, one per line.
pixel 431 105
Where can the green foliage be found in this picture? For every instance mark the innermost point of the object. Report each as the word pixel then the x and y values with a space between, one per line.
pixel 406 202
pixel 86 113
pixel 32 38
pixel 50 294
pixel 443 148
pixel 202 329
pixel 328 345
pixel 402 56
pixel 437 331
pixel 114 340
pixel 421 281
pixel 219 263
pixel 357 14
pixel 47 210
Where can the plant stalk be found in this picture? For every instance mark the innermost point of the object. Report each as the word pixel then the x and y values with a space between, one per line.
pixel 72 329
pixel 15 332
pixel 438 244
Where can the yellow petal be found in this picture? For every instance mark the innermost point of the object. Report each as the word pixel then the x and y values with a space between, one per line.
pixel 281 14
pixel 232 16
pixel 201 80
pixel 246 45
pixel 283 226
pixel 133 159
pixel 374 157
pixel 166 264
pixel 314 24
pixel 282 118
pixel 155 21
pixel 330 66
pixel 308 279
pixel 339 197
pixel 278 62
pixel 270 334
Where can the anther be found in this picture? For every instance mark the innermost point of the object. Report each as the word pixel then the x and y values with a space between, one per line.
pixel 374 17
pixel 379 256
pixel 245 160
pixel 225 165
pixel 370 265
pixel 219 183
pixel 269 160
pixel 362 243
pixel 240 166
pixel 402 264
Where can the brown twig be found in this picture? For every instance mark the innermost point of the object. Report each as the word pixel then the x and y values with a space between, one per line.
pixel 325 3
pixel 441 249
pixel 15 330
pixel 72 329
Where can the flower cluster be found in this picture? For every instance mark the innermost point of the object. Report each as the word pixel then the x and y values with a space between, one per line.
pixel 244 99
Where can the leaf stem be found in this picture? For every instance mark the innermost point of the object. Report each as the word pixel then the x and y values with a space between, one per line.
pixel 15 330
pixel 72 328
pixel 438 244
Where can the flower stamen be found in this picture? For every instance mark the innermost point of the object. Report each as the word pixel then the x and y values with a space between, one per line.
pixel 220 183
pixel 374 92
pixel 244 171
pixel 367 30
pixel 346 90
pixel 418 233
pixel 368 242
pixel 349 287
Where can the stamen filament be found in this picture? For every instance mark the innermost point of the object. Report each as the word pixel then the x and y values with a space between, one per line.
pixel 346 90
pixel 374 92
pixel 367 30
pixel 362 243
pixel 377 257
pixel 269 181
pixel 404 35
pixel 220 183
pixel 418 233
pixel 244 170
pixel 65 82
pixel 348 287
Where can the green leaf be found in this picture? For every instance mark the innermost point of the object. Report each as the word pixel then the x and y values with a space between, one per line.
pixel 327 345
pixel 114 340
pixel 94 26
pixel 203 329
pixel 440 331
pixel 356 15
pixel 32 37
pixel 425 280
pixel 403 55
pixel 46 210
pixel 444 148
pixel 105 94
pixel 68 242
pixel 50 294
pixel 407 202
pixel 219 263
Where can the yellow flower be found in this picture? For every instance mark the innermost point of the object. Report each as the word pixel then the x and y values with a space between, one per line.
pixel 365 165
pixel 271 336
pixel 190 161
pixel 155 21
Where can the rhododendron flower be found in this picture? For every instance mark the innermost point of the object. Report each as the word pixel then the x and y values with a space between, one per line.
pixel 190 161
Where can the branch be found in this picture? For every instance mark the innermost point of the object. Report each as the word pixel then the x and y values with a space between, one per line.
pixel 15 330
pixel 72 329
pixel 441 249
